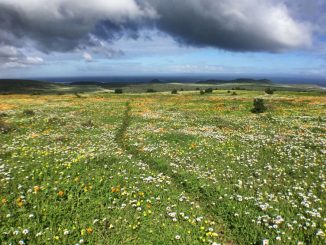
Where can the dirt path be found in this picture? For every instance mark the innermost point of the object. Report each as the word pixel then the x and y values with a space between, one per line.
pixel 196 193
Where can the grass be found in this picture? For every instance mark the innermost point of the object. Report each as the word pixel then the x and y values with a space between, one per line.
pixel 157 168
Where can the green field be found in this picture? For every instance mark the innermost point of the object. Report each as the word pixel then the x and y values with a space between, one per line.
pixel 157 168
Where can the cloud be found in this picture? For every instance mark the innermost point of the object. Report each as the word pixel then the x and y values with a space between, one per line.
pixel 238 25
pixel 93 26
pixel 87 57
pixel 60 25
pixel 11 57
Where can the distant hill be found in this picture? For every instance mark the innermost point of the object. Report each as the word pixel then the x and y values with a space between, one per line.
pixel 239 80
pixel 13 85
pixel 157 81
pixel 87 83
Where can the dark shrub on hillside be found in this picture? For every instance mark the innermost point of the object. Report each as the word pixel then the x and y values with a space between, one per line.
pixel 209 90
pixel 174 91
pixel 202 92
pixel 259 106
pixel 88 124
pixel 229 91
pixel 78 95
pixel 118 91
pixel 5 127
pixel 181 89
pixel 234 93
pixel 28 112
pixel 3 114
pixel 197 88
pixel 150 90
pixel 269 91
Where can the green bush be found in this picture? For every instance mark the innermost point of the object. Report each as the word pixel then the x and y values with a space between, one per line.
pixel 118 91
pixel 88 124
pixel 202 92
pixel 78 95
pixel 150 90
pixel 269 91
pixel 209 90
pixel 259 106
pixel 4 127
pixel 28 112
pixel 174 91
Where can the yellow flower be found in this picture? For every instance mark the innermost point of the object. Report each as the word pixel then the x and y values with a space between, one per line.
pixel 36 188
pixel 193 145
pixel 20 202
pixel 115 189
pixel 89 230
pixel 61 193
pixel 4 200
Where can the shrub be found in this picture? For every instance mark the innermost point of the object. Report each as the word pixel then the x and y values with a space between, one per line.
pixel 3 114
pixel 174 91
pixel 259 106
pixel 197 88
pixel 150 90
pixel 269 91
pixel 118 91
pixel 78 95
pixel 229 91
pixel 209 90
pixel 28 112
pixel 88 124
pixel 202 92
pixel 234 93
pixel 181 89
pixel 4 127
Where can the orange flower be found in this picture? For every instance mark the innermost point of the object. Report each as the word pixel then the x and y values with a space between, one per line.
pixel 148 205
pixel 89 230
pixel 36 188
pixel 61 193
pixel 115 189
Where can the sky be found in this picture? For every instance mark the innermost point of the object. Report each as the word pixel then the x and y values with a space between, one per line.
pixel 69 38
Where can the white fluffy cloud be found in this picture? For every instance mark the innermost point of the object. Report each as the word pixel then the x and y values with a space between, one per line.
pixel 11 57
pixel 87 57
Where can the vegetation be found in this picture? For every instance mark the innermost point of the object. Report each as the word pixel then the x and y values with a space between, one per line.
pixel 162 169
pixel 269 91
pixel 259 106
pixel 174 91
pixel 150 90
pixel 118 91
pixel 209 90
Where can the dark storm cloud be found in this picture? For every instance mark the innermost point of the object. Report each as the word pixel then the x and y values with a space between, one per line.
pixel 237 25
pixel 59 25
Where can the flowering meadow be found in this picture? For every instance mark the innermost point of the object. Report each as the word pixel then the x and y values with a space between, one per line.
pixel 104 168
